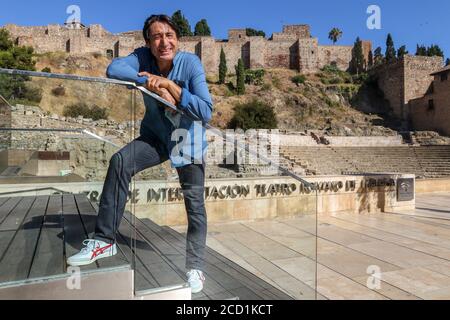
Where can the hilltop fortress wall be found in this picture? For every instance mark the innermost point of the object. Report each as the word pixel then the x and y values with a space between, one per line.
pixel 293 48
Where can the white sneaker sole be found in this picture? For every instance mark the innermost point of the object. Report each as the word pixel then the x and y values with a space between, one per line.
pixel 88 262
pixel 197 290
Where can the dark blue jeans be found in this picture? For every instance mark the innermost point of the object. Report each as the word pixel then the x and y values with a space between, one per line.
pixel 139 155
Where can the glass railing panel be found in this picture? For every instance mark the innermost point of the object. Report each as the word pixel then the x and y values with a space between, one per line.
pixel 261 239
pixel 258 240
pixel 57 137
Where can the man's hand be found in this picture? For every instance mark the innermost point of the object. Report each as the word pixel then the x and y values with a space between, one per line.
pixel 165 94
pixel 155 83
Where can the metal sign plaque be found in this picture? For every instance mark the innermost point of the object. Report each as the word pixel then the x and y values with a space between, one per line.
pixel 405 189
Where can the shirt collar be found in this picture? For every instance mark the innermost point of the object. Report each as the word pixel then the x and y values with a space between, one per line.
pixel 155 65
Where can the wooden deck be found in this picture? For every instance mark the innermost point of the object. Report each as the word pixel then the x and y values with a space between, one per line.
pixel 38 233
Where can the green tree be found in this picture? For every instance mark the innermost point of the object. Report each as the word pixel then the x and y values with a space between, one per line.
pixel 240 77
pixel 390 49
pixel 222 67
pixel 370 62
pixel 357 64
pixel 378 57
pixel 432 51
pixel 402 52
pixel 202 28
pixel 447 63
pixel 253 115
pixel 421 50
pixel 334 35
pixel 5 41
pixel 23 57
pixel 253 32
pixel 435 51
pixel 15 57
pixel 182 23
pixel 7 60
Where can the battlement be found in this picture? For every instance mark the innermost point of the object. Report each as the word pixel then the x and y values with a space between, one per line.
pixel 293 48
pixel 237 35
pixel 300 30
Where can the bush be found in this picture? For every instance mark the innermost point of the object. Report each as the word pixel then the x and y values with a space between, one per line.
pixel 76 110
pixel 331 103
pixel 332 75
pixel 335 80
pixel 98 113
pixel 81 109
pixel 255 77
pixel 47 70
pixel 59 91
pixel 361 78
pixel 298 79
pixel 253 115
pixel 332 68
pixel 32 94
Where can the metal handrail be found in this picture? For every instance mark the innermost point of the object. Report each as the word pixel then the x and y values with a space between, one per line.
pixel 81 131
pixel 164 102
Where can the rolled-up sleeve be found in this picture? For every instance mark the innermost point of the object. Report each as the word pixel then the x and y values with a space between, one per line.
pixel 196 101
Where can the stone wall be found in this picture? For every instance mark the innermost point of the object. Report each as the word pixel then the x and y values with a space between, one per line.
pixel 406 79
pixel 338 55
pixel 5 122
pixel 390 79
pixel 93 39
pixel 436 117
pixel 432 185
pixel 293 48
pixel 300 139
pixel 302 31
pixel 230 200
pixel 418 76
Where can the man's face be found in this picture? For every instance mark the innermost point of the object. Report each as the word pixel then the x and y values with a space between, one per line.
pixel 163 41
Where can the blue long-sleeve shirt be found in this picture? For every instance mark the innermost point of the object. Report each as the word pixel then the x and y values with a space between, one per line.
pixel 183 139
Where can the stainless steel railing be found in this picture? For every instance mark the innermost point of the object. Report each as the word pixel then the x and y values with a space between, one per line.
pixel 132 85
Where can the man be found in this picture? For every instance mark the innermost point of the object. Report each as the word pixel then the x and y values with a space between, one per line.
pixel 179 78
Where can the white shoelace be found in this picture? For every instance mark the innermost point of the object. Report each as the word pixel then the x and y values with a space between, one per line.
pixel 195 275
pixel 89 245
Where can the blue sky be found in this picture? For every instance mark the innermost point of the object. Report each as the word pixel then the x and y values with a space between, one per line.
pixel 410 22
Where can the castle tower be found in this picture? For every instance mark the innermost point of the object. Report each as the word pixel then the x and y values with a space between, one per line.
pixel 308 55
pixel 302 31
pixel 237 35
